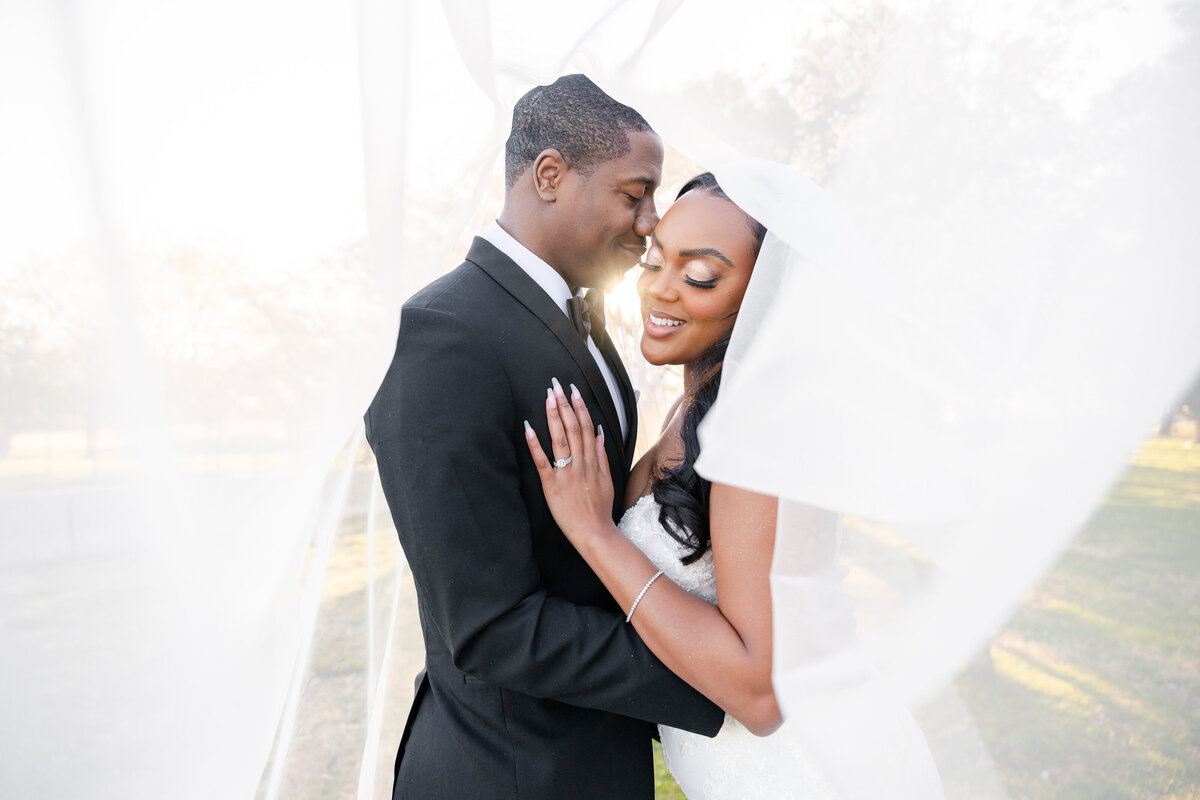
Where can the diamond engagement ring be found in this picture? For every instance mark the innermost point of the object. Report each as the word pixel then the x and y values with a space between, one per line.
pixel 562 462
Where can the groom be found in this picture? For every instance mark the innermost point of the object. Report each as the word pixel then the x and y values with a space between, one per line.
pixel 534 686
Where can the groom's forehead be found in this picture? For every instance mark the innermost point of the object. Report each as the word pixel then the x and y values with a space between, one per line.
pixel 629 175
pixel 650 182
pixel 641 163
pixel 635 173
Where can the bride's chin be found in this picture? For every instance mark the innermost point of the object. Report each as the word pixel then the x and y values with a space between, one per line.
pixel 652 358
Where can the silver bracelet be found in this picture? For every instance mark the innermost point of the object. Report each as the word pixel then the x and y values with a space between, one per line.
pixel 642 594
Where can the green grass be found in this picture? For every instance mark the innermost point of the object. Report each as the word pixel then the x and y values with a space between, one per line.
pixel 1102 662
pixel 665 787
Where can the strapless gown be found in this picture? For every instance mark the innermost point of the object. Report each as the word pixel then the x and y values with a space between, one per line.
pixel 735 764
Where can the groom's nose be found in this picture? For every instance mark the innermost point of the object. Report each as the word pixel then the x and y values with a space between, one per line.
pixel 646 220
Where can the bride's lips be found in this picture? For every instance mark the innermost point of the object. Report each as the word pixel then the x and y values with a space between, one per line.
pixel 660 324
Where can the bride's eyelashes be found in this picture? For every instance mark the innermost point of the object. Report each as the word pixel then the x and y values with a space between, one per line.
pixel 689 280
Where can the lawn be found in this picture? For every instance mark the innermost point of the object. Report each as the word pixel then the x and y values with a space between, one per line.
pixel 1104 655
pixel 1101 662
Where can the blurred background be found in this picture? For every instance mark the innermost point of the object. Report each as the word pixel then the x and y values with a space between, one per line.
pixel 211 213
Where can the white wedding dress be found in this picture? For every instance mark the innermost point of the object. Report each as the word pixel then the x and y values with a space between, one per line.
pixel 735 764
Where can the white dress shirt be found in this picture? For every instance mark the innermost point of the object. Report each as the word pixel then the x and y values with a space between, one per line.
pixel 556 287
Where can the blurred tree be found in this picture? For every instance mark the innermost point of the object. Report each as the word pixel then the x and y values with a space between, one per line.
pixel 224 342
pixel 835 64
pixel 45 345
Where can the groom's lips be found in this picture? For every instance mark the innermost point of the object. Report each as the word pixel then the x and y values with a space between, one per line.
pixel 660 324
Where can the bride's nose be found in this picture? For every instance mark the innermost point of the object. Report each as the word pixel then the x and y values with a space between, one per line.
pixel 659 285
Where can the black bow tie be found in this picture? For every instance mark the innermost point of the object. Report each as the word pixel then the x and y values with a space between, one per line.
pixel 587 315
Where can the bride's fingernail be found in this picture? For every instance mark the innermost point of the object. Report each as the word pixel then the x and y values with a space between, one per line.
pixel 557 386
pixel 600 431
pixel 550 397
pixel 574 392
pixel 528 429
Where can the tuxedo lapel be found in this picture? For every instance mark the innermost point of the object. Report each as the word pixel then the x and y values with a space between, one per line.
pixel 525 290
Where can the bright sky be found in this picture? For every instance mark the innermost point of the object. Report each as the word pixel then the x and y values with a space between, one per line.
pixel 232 124
pixel 238 125
pixel 235 125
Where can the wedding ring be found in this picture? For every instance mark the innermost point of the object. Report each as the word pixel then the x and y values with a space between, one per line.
pixel 562 462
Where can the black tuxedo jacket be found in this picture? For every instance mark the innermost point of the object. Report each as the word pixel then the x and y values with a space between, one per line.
pixel 534 685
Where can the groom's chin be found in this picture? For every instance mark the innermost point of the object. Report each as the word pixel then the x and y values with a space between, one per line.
pixel 621 270
pixel 609 280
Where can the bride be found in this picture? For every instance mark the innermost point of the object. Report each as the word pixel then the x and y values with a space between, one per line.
pixel 690 559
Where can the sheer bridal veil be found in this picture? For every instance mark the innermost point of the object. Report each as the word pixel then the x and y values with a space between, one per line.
pixel 975 299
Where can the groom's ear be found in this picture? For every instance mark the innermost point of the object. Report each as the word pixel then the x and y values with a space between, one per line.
pixel 549 168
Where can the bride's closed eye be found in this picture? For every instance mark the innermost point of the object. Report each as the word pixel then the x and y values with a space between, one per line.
pixel 699 283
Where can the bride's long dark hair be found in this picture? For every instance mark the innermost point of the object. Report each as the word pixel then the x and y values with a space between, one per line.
pixel 680 491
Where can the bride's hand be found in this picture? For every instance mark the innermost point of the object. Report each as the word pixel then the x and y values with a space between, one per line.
pixel 580 492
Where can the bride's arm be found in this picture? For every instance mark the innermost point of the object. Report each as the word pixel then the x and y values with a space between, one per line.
pixel 723 651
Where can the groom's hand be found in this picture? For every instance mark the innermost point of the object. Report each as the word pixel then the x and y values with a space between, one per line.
pixel 577 485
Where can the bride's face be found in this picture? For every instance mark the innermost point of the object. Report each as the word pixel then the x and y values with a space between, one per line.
pixel 693 277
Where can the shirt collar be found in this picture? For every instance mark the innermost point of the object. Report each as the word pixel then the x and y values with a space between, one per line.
pixel 542 273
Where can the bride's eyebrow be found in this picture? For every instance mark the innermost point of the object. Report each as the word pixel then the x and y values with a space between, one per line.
pixel 697 252
pixel 711 252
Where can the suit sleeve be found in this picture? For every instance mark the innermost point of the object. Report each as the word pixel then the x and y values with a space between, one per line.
pixel 440 429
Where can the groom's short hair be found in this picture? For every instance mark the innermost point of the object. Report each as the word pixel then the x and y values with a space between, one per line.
pixel 575 117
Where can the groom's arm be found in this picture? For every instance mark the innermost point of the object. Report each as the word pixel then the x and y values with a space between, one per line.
pixel 443 431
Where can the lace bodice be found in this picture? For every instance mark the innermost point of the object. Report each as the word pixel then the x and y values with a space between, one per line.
pixel 641 526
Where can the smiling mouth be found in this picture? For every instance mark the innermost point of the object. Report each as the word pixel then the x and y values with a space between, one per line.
pixel 659 325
